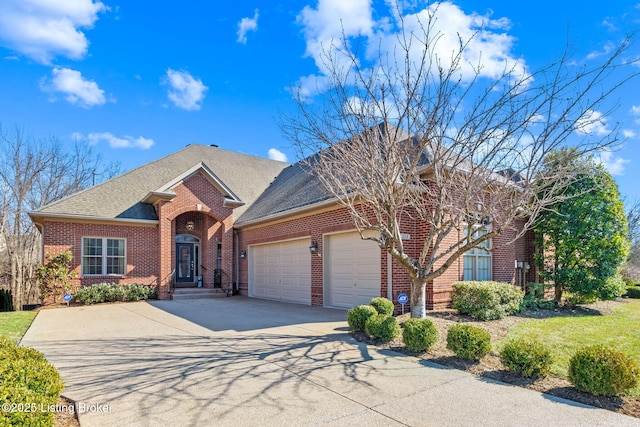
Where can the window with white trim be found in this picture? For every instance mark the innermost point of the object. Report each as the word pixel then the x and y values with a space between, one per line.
pixel 103 256
pixel 477 261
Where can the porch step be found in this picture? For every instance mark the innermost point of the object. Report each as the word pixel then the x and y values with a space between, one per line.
pixel 194 293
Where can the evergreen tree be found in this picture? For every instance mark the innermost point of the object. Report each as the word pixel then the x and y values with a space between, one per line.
pixel 583 237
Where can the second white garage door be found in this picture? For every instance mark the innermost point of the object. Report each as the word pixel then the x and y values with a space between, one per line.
pixel 352 270
pixel 281 271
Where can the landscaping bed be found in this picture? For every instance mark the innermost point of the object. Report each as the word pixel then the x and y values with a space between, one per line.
pixel 490 366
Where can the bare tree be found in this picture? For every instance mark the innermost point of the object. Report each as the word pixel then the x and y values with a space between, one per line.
pixel 408 135
pixel 33 173
pixel 631 269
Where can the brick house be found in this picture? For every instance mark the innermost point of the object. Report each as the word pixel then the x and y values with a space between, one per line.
pixel 227 221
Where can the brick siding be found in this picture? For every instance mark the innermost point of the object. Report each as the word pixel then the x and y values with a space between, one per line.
pixel 150 254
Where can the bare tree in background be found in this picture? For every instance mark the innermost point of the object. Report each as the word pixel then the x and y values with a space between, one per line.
pixel 33 173
pixel 405 134
pixel 631 269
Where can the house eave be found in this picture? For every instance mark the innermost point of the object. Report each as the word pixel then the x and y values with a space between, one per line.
pixel 232 203
pixel 155 196
pixel 292 212
pixel 41 217
pixel 168 187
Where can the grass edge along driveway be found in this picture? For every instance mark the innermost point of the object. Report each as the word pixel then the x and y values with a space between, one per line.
pixel 14 324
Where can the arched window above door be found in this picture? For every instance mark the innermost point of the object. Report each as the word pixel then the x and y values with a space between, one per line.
pixel 186 238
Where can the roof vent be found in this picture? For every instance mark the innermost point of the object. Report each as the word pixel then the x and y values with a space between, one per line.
pixel 214 145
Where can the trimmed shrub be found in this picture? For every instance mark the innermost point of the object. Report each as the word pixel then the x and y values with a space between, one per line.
pixel 137 292
pixel 614 287
pixel 382 327
pixel 30 381
pixel 112 292
pixel 527 358
pixel 383 306
pixel 486 300
pixel 468 342
pixel 535 297
pixel 357 316
pixel 603 371
pixel 579 299
pixel 633 292
pixel 6 301
pixel 419 334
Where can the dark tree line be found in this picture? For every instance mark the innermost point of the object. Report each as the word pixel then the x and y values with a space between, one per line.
pixel 35 172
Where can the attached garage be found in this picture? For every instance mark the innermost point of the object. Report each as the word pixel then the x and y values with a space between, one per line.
pixel 351 270
pixel 281 271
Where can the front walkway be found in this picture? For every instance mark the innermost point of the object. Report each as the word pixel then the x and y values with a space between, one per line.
pixel 246 362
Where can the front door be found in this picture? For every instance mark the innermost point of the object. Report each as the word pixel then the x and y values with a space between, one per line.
pixel 185 263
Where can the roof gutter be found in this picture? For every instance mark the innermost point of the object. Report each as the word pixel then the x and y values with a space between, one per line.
pixel 39 217
pixel 291 212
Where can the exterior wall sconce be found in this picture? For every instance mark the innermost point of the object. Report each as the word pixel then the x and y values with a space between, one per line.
pixel 313 248
pixel 243 254
pixel 190 225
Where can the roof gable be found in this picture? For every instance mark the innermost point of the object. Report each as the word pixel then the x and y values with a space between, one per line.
pixel 167 192
pixel 240 177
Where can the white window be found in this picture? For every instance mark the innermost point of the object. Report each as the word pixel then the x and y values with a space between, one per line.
pixel 477 261
pixel 103 256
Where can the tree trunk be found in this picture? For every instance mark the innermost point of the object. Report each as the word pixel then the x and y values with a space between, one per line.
pixel 16 282
pixel 418 298
pixel 558 290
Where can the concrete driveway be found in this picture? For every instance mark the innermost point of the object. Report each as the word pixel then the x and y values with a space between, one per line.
pixel 247 362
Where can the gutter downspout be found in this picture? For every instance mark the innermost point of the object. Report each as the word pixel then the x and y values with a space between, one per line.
pixel 236 290
pixel 389 277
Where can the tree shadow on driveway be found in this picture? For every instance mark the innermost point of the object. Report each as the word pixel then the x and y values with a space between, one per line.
pixel 211 367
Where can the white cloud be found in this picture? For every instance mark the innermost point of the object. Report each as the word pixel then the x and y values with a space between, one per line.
pixel 275 154
pixel 635 111
pixel 44 29
pixel 608 48
pixel 592 123
pixel 628 133
pixel 245 25
pixel 324 26
pixel 614 164
pixel 115 142
pixel 76 89
pixel 185 91
pixel 609 24
pixel 488 51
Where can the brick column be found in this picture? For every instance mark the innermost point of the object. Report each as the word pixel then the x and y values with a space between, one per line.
pixel 317 286
pixel 167 247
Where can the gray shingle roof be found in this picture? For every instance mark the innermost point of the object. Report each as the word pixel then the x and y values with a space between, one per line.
pixel 266 187
pixel 295 187
pixel 121 197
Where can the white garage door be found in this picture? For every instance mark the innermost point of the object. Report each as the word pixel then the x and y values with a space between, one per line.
pixel 352 270
pixel 281 271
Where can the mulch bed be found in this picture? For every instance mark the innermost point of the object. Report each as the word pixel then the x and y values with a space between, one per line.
pixel 65 418
pixel 490 366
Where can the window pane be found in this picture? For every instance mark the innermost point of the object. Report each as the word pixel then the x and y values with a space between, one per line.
pixel 115 266
pixel 484 268
pixel 482 252
pixel 468 267
pixel 92 247
pixel 91 265
pixel 115 247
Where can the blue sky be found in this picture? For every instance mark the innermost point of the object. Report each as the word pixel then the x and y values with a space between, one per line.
pixel 139 80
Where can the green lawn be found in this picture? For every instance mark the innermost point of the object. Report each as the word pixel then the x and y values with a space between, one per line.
pixel 14 324
pixel 564 335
